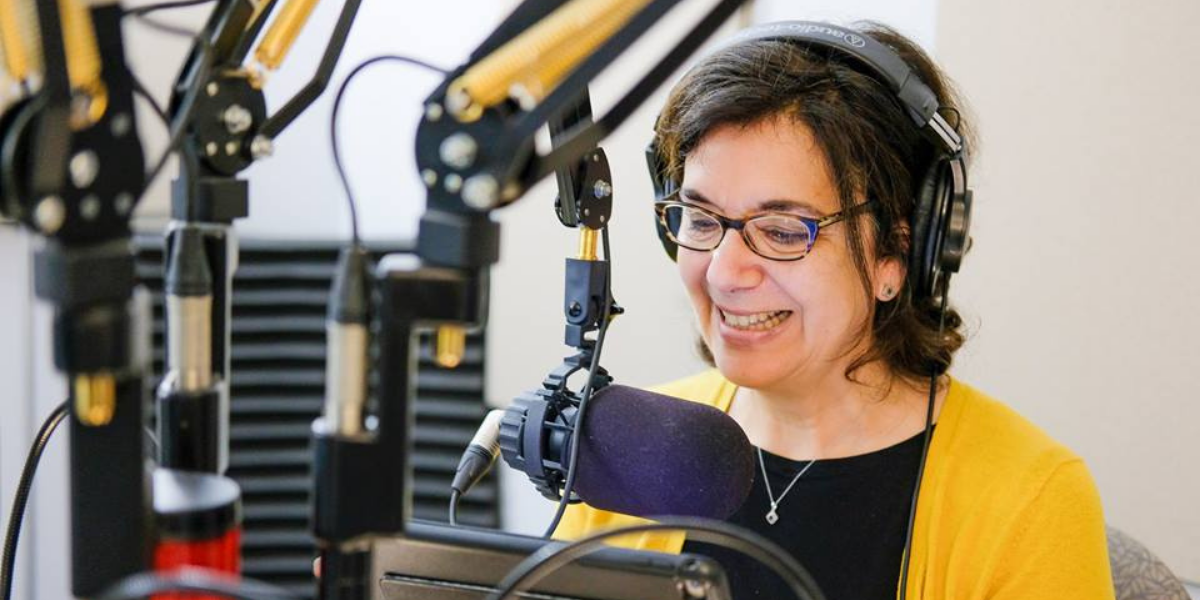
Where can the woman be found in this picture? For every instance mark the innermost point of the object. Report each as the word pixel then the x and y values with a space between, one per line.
pixel 823 349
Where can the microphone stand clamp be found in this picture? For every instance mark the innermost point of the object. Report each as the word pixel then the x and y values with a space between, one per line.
pixel 539 426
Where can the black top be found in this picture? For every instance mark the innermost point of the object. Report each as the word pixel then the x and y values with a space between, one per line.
pixel 845 520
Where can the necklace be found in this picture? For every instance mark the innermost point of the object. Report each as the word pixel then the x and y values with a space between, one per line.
pixel 772 515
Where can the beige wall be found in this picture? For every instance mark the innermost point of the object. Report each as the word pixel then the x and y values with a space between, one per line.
pixel 1083 283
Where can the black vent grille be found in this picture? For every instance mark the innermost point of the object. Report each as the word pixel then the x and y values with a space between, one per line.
pixel 278 363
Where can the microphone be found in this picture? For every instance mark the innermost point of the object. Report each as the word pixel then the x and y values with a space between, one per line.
pixel 347 333
pixel 641 453
pixel 189 291
pixel 191 425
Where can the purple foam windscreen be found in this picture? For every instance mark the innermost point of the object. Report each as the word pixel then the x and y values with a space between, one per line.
pixel 647 454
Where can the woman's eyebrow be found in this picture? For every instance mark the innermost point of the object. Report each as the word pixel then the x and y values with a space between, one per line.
pixel 785 205
pixel 692 195
pixel 772 205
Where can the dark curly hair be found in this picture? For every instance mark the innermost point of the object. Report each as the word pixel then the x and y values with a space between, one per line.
pixel 870 145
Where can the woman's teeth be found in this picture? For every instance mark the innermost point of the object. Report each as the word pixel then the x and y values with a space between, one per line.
pixel 757 321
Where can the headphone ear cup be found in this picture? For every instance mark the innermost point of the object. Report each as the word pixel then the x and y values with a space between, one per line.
pixel 956 237
pixel 663 187
pixel 923 237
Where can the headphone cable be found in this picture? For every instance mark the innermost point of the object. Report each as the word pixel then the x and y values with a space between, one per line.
pixel 905 558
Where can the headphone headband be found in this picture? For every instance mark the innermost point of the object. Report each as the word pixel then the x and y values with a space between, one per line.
pixel 890 69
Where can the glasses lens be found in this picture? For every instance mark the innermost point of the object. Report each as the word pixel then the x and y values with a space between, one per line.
pixel 779 236
pixel 692 228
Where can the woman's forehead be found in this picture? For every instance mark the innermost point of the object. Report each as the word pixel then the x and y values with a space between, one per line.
pixel 774 164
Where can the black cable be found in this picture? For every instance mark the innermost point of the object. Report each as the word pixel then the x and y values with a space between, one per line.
pixel 194 580
pixel 333 122
pixel 187 107
pixel 552 557
pixel 928 436
pixel 166 28
pixel 177 129
pixel 586 395
pixel 22 498
pixel 140 89
pixel 454 498
pixel 140 11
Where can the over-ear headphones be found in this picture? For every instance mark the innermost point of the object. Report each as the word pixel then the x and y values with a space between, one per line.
pixel 942 214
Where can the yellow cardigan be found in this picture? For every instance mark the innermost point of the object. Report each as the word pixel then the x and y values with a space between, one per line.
pixel 1005 512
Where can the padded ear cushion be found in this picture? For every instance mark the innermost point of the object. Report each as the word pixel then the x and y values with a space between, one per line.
pixel 956 237
pixel 663 187
pixel 924 230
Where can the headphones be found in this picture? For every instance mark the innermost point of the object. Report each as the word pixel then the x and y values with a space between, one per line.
pixel 942 215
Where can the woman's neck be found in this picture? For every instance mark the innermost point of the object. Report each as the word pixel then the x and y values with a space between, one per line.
pixel 829 416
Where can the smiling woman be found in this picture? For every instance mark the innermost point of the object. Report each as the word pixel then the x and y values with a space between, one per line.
pixel 879 472
pixel 816 307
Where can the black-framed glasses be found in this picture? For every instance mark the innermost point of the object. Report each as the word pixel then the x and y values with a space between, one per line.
pixel 771 235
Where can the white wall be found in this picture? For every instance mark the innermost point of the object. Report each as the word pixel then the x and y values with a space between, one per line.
pixel 1082 286
pixel 18 424
pixel 32 390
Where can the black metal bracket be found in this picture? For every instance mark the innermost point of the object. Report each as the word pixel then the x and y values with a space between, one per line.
pixel 585 292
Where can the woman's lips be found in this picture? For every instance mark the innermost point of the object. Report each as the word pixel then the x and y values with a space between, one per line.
pixel 742 327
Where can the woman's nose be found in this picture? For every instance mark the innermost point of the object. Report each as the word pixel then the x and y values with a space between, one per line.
pixel 733 265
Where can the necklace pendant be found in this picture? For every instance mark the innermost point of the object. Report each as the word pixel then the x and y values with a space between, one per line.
pixel 772 516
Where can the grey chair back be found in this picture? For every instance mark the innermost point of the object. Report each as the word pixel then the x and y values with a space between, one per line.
pixel 1138 574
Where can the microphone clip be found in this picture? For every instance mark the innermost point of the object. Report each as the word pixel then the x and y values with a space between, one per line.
pixel 538 429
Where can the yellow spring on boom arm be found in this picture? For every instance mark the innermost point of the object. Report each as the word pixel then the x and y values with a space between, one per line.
pixel 530 65
pixel 20 40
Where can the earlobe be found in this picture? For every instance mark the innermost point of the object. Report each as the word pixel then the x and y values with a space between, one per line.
pixel 889 277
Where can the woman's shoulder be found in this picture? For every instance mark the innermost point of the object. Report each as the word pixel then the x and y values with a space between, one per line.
pixel 1026 503
pixel 982 424
pixel 997 451
pixel 706 387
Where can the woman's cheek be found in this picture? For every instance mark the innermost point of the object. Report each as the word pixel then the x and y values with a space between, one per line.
pixel 692 267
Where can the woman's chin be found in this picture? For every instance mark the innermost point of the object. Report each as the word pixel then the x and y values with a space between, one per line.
pixel 745 369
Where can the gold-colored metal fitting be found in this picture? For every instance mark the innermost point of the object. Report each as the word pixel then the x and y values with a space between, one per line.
pixel 588 238
pixel 284 30
pixel 450 345
pixel 256 77
pixel 532 64
pixel 253 75
pixel 95 398
pixel 88 106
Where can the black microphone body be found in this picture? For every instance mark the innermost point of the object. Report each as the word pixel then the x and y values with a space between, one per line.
pixel 641 453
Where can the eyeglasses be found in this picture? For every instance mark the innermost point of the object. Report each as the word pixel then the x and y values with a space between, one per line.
pixel 771 235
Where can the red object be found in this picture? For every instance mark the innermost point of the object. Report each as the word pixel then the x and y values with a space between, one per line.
pixel 222 554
